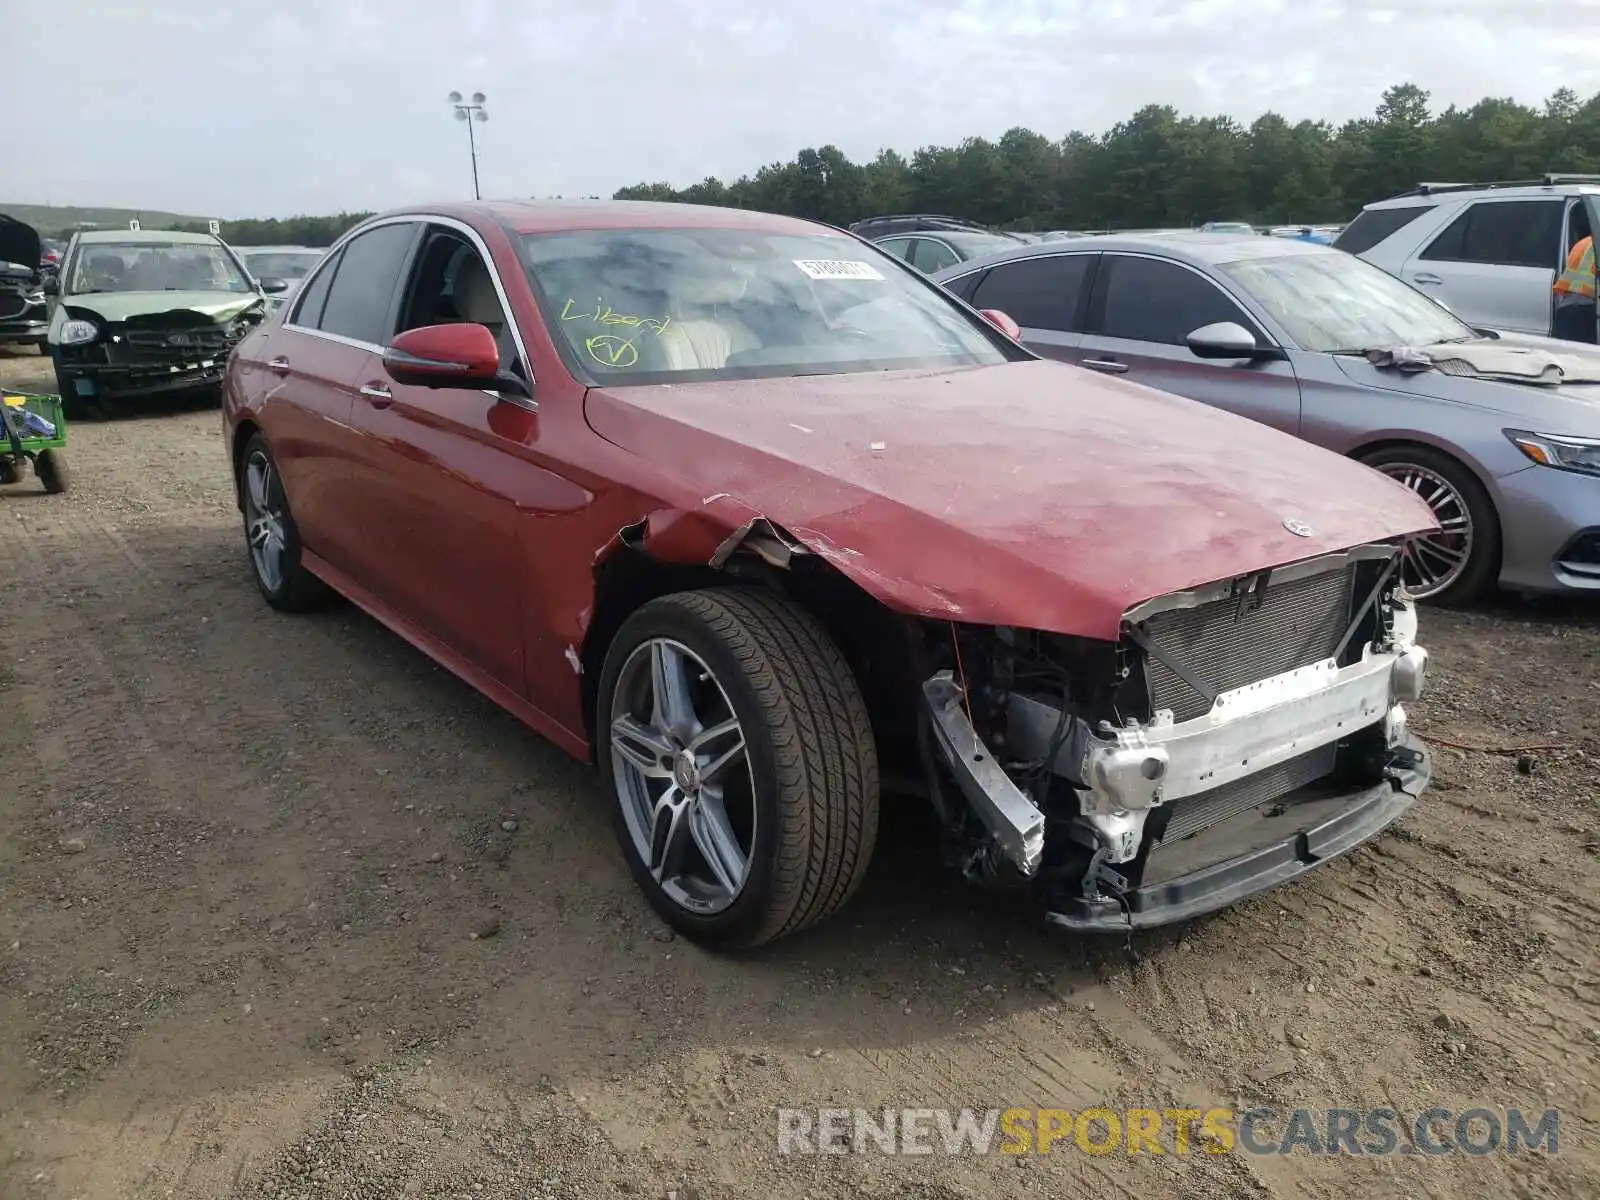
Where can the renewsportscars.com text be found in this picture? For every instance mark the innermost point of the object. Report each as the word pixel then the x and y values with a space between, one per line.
pixel 1265 1131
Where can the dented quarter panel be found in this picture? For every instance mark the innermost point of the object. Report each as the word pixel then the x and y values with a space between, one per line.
pixel 1030 494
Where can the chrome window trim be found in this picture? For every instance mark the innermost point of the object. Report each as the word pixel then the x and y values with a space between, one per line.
pixel 482 248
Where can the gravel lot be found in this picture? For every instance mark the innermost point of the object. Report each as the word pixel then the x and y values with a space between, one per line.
pixel 287 911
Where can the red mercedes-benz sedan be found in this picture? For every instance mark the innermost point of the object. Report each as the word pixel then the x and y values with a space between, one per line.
pixel 765 524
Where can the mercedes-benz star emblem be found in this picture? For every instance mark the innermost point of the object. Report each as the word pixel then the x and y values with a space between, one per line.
pixel 1298 528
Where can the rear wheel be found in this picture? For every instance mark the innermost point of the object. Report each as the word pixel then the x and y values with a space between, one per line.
pixel 735 745
pixel 1455 564
pixel 271 535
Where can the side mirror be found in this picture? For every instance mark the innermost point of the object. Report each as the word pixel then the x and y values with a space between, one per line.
pixel 451 356
pixel 1225 339
pixel 51 285
pixel 272 285
pixel 1002 322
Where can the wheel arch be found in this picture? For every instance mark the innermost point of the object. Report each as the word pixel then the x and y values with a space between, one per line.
pixel 872 638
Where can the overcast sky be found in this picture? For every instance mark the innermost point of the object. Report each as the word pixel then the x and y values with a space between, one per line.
pixel 236 108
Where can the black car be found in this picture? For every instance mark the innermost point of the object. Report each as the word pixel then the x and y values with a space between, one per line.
pixel 24 312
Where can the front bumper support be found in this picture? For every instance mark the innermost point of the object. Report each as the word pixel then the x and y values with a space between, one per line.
pixel 1272 844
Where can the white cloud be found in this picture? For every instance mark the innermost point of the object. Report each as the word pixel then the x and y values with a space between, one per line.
pixel 314 105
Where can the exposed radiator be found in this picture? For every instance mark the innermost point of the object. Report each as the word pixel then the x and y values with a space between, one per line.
pixel 1205 809
pixel 1229 643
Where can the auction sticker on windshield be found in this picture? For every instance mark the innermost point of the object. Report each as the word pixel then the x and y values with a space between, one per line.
pixel 837 268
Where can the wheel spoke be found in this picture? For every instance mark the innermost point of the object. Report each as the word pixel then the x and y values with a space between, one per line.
pixel 716 746
pixel 669 834
pixel 258 481
pixel 669 683
pixel 713 836
pixel 645 748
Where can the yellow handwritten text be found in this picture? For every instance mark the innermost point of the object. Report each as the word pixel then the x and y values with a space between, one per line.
pixel 603 314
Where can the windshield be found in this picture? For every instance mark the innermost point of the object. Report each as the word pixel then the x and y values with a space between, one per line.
pixel 156 267
pixel 281 264
pixel 1335 303
pixel 650 306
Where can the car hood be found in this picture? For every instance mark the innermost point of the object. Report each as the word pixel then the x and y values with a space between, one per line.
pixel 19 243
pixel 1572 409
pixel 119 306
pixel 1032 494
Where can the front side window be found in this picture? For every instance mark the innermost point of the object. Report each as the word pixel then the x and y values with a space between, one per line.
pixel 1340 304
pixel 1502 233
pixel 1147 300
pixel 363 292
pixel 898 246
pixel 156 267
pixel 649 306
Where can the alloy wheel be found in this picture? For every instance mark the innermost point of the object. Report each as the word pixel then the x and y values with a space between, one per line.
pixel 1433 561
pixel 683 776
pixel 264 520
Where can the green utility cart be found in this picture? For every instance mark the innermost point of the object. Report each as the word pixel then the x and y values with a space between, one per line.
pixel 34 434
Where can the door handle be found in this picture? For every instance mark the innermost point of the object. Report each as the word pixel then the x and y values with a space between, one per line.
pixel 279 365
pixel 1427 277
pixel 1107 366
pixel 377 395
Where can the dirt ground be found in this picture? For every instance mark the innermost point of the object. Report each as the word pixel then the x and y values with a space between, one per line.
pixel 287 911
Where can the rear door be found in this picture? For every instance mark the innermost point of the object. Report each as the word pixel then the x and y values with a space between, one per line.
pixel 1048 296
pixel 1495 264
pixel 308 378
pixel 442 474
pixel 1141 313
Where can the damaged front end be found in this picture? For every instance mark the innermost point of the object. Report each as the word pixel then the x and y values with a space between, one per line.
pixel 149 353
pixel 1235 736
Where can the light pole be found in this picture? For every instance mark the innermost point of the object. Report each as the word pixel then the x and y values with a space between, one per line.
pixel 470 111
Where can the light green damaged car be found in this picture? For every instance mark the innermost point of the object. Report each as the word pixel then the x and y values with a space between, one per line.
pixel 140 313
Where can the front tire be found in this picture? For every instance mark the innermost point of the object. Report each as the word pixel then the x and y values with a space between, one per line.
pixel 271 536
pixel 735 747
pixel 1455 565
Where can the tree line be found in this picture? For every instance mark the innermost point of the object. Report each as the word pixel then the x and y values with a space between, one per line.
pixel 1159 168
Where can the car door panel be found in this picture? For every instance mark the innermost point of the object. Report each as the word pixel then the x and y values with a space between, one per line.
pixel 1495 264
pixel 1164 301
pixel 308 383
pixel 445 485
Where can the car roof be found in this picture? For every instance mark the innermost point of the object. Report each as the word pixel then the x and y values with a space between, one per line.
pixel 560 216
pixel 1550 185
pixel 91 236
pixel 1206 249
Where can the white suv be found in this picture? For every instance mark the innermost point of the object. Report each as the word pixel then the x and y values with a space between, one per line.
pixel 1491 252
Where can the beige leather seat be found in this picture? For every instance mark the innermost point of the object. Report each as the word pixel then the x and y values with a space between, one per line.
pixel 476 300
pixel 704 332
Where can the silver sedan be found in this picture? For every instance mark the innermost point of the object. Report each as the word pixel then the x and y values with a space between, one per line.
pixel 1321 344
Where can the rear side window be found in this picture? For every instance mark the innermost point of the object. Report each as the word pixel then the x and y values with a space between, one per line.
pixel 1502 233
pixel 1376 224
pixel 1147 300
pixel 899 247
pixel 309 310
pixel 1038 293
pixel 363 293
